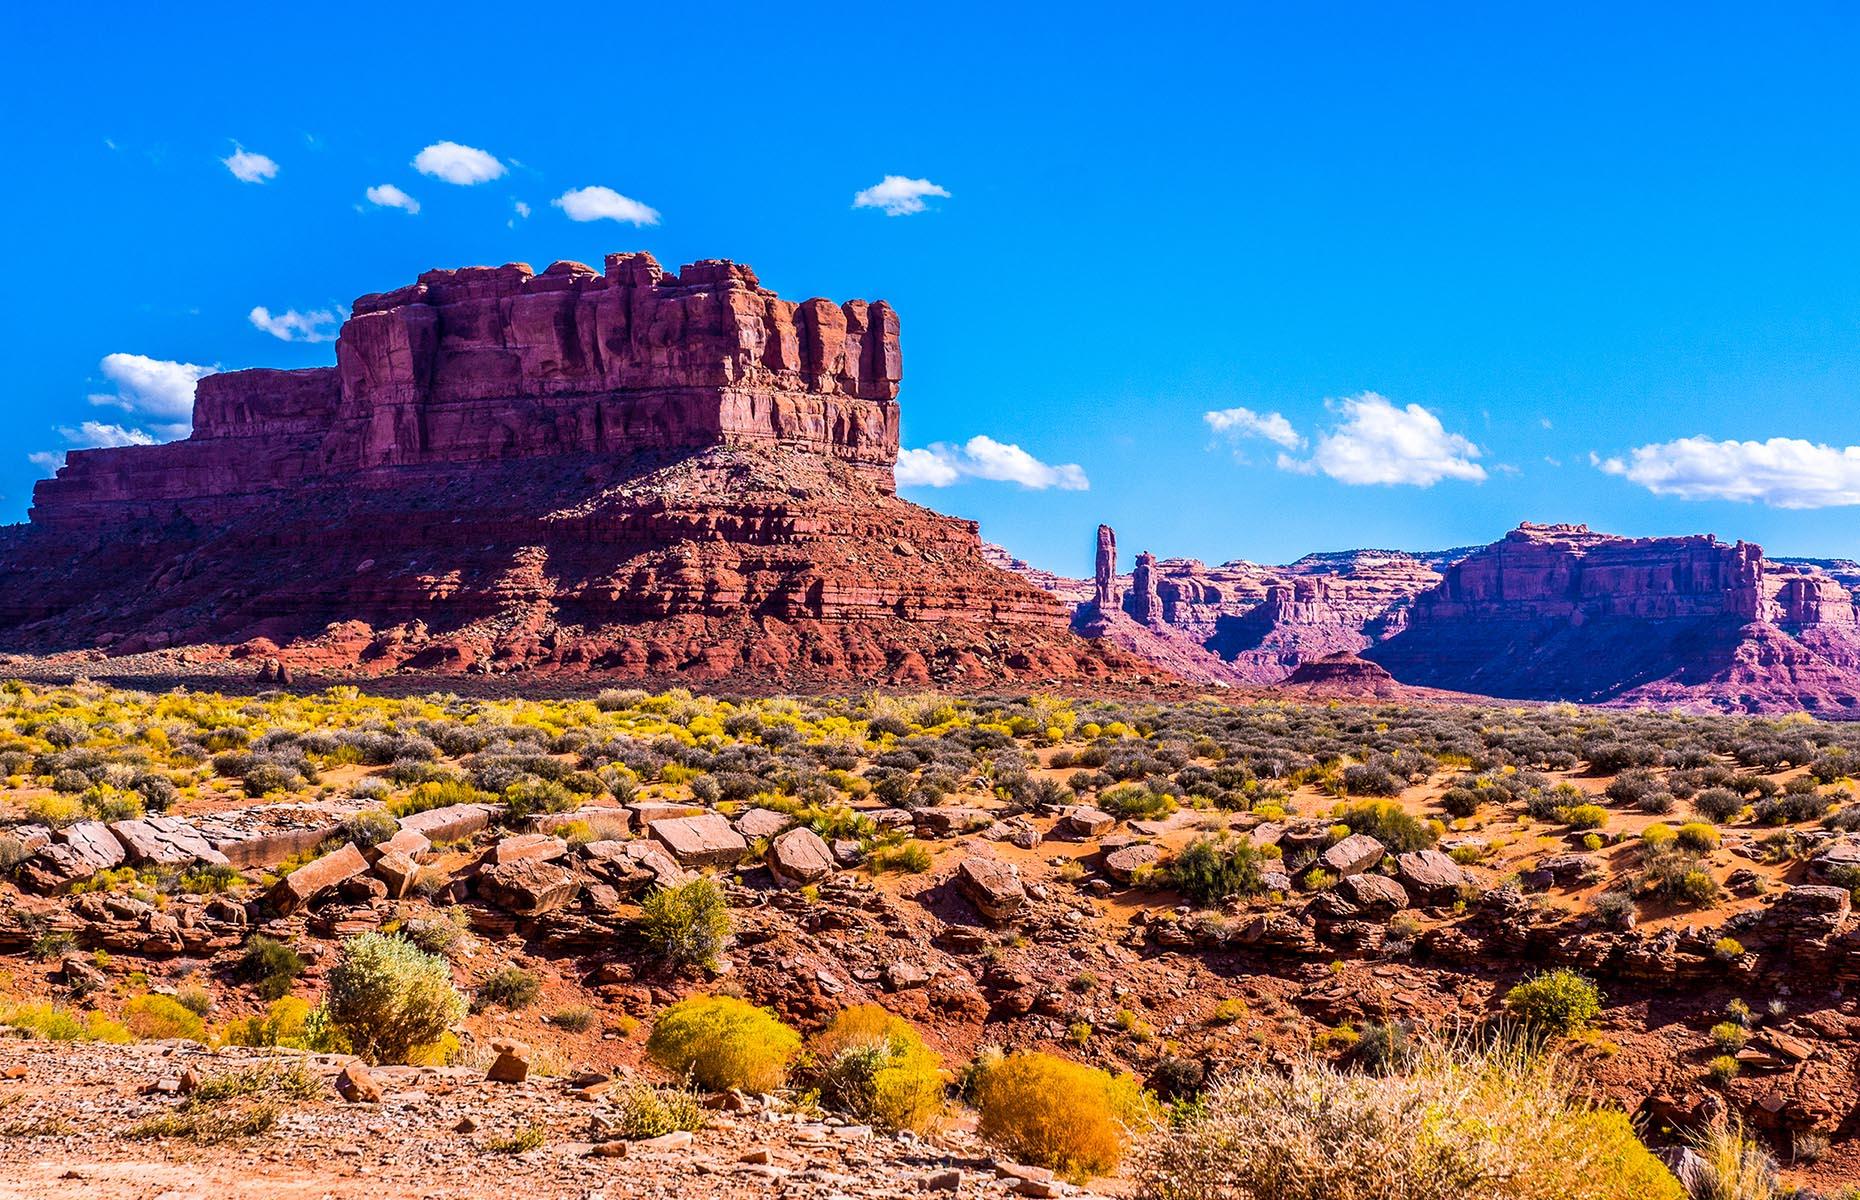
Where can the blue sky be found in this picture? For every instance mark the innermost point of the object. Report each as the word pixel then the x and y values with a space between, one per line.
pixel 1422 263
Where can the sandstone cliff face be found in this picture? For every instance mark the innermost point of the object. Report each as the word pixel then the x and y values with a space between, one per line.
pixel 488 364
pixel 1549 612
pixel 1241 623
pixel 629 472
pixel 1562 612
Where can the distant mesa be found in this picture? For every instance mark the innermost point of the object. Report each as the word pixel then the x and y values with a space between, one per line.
pixel 623 471
pixel 1549 612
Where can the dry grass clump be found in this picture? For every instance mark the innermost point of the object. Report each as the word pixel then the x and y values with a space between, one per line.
pixel 648 1112
pixel 1729 1164
pixel 1460 1124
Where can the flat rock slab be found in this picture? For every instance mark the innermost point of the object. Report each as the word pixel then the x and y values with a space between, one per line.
pixel 410 842
pixel 166 841
pixel 1373 893
pixel 450 823
pixel 1081 822
pixel 1431 875
pixel 267 834
pixel 544 846
pixel 1353 855
pixel 632 867
pixel 799 857
pixel 947 822
pixel 645 812
pixel 529 887
pixel 1839 855
pixel 762 823
pixel 77 852
pixel 991 885
pixel 1123 864
pixel 304 884
pixel 702 841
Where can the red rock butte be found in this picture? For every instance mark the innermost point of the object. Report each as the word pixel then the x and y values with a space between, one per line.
pixel 628 471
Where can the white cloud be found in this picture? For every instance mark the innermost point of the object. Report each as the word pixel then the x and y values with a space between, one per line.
pixel 1236 423
pixel 100 433
pixel 319 325
pixel 1376 442
pixel 48 460
pixel 897 195
pixel 248 167
pixel 458 164
pixel 604 204
pixel 151 386
pixel 388 196
pixel 1781 472
pixel 982 457
pixel 926 468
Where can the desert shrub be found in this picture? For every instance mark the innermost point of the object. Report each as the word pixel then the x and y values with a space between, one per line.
pixel 1718 804
pixel 1585 816
pixel 273 965
pixel 1729 1037
pixel 207 1125
pixel 1497 1124
pixel 720 1042
pixel 370 827
pixel 56 810
pixel 1792 807
pixel 648 1112
pixel 1631 787
pixel 442 935
pixel 1698 837
pixel 387 997
pixel 1058 1114
pixel 1370 779
pixel 509 987
pixel 1135 800
pixel 281 1025
pixel 1677 875
pixel 1388 823
pixel 574 1019
pixel 1558 1001
pixel 154 1017
pixel 54 1024
pixel 1382 1047
pixel 875 1066
pixel 263 778
pixel 687 925
pixel 1461 801
pixel 1209 870
pixel 1616 909
pixel 438 793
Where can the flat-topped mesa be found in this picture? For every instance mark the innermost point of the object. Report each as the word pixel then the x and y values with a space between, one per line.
pixel 496 363
pixel 1562 572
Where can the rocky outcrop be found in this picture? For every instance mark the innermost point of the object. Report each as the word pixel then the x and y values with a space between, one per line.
pixel 1106 594
pixel 1241 623
pixel 1563 612
pixel 626 471
pixel 1550 612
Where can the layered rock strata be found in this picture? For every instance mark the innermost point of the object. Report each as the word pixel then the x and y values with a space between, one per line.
pixel 1550 612
pixel 1564 612
pixel 626 471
